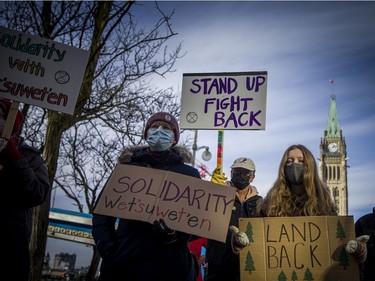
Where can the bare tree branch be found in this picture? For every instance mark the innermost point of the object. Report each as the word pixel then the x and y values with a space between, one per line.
pixel 114 102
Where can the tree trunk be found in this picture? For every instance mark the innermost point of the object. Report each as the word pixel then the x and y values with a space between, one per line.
pixel 38 241
pixel 95 260
pixel 38 246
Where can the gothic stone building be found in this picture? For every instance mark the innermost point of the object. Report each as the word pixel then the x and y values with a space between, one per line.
pixel 333 160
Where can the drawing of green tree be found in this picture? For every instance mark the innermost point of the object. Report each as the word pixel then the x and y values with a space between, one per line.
pixel 340 233
pixel 249 232
pixel 282 276
pixel 344 258
pixel 249 263
pixel 294 276
pixel 308 275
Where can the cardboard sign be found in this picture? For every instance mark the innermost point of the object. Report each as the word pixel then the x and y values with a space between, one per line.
pixel 185 203
pixel 231 101
pixel 41 72
pixel 298 248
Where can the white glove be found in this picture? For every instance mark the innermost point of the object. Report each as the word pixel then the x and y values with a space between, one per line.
pixel 239 239
pixel 358 248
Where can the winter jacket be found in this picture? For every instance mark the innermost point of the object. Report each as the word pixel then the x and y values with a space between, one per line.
pixel 24 184
pixel 134 251
pixel 222 263
pixel 365 225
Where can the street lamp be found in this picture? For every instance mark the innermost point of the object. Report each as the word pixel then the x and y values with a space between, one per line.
pixel 206 155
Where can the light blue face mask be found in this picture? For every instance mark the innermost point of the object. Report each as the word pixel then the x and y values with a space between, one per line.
pixel 159 139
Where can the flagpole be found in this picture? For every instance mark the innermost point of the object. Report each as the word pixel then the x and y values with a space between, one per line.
pixel 220 150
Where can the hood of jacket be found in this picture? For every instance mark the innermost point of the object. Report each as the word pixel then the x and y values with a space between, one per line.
pixel 141 153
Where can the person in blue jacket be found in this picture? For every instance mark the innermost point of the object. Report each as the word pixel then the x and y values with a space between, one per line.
pixel 24 184
pixel 140 251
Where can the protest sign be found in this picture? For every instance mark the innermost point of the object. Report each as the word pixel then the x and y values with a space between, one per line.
pixel 41 72
pixel 298 248
pixel 185 203
pixel 227 101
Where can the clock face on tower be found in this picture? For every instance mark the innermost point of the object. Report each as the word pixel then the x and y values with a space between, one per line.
pixel 333 147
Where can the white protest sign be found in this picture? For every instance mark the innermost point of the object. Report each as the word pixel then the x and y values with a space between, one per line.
pixel 230 101
pixel 185 203
pixel 41 72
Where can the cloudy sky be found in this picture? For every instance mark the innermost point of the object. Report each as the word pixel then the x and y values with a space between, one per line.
pixel 301 45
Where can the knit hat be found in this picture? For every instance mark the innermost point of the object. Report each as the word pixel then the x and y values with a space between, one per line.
pixel 4 110
pixel 243 162
pixel 166 117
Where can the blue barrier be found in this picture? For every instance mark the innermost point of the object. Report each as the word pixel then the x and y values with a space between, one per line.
pixel 70 225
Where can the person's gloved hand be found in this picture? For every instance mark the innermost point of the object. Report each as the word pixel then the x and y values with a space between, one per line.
pixel 239 239
pixel 358 248
pixel 9 149
pixel 218 177
pixel 163 232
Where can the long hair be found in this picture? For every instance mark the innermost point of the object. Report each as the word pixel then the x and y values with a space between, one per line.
pixel 280 201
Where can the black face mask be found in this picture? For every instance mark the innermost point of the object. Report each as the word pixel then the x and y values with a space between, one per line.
pixel 240 181
pixel 294 173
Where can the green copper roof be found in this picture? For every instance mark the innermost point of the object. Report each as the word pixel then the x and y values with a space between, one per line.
pixel 333 127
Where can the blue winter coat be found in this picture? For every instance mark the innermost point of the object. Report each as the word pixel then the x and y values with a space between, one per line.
pixel 24 184
pixel 133 251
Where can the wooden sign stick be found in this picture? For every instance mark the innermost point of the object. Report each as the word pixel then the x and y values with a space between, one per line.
pixel 7 132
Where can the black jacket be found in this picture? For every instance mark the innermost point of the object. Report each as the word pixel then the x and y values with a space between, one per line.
pixel 222 263
pixel 133 251
pixel 24 184
pixel 365 225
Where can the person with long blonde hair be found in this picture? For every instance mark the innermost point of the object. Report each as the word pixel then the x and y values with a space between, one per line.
pixel 298 189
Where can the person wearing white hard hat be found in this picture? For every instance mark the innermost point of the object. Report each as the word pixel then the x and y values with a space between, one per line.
pixel 222 261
